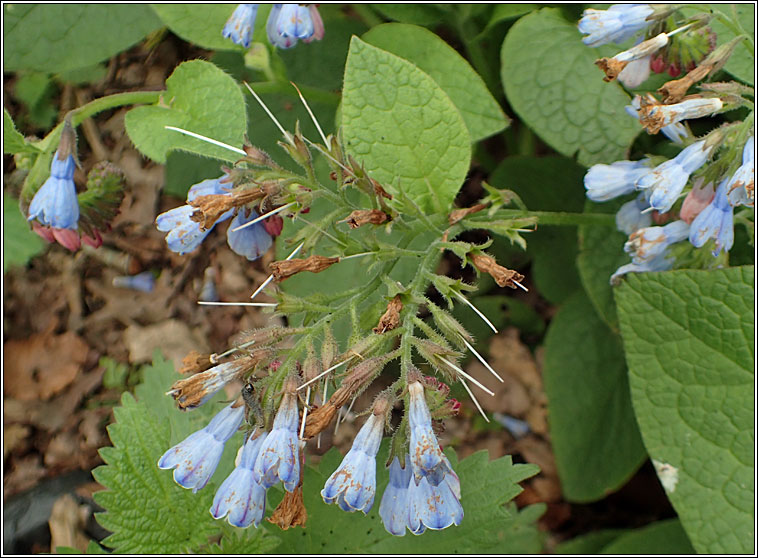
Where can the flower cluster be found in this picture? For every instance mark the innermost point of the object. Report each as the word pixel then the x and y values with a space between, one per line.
pixel 658 47
pixel 725 156
pixel 287 23
pixel 185 234
pixel 57 212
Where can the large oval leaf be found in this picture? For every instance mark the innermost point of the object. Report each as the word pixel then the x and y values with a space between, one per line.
pixel 552 83
pixel 403 127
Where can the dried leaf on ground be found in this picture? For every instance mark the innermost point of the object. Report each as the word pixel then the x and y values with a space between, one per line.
pixel 173 337
pixel 67 522
pixel 42 365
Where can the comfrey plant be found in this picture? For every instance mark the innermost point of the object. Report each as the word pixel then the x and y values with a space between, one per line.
pixel 286 400
pixel 678 191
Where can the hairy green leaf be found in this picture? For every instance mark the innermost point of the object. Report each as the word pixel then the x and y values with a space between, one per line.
pixel 199 98
pixel 552 83
pixel 403 127
pixel 689 342
pixel 489 525
pixel 19 242
pixel 68 36
pixel 13 141
pixel 595 438
pixel 480 110
pixel 146 511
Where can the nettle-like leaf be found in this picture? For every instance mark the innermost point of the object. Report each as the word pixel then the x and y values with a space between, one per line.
pixel 480 110
pixel 601 253
pixel 68 36
pixel 552 83
pixel 146 511
pixel 595 438
pixel 19 242
pixel 13 141
pixel 403 127
pixel 489 525
pixel 199 98
pixel 688 337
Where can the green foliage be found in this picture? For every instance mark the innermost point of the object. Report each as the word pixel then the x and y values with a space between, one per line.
pixel 68 36
pixel 548 184
pixel 741 64
pixel 20 244
pixel 601 253
pixel 595 438
pixel 148 513
pixel 688 337
pixel 321 64
pixel 199 98
pixel 552 83
pixel 145 510
pixel 201 24
pixel 403 127
pixel 661 537
pixel 489 525
pixel 416 14
pixel 35 90
pixel 467 90
pixel 13 141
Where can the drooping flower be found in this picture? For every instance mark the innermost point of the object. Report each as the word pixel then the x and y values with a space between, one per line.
pixel 715 221
pixel 740 189
pixel 393 508
pixel 239 27
pixel 642 51
pixel 279 455
pixel 427 459
pixel 434 507
pixel 675 132
pixel 668 179
pixel 635 73
pixel 55 205
pixel 656 116
pixel 604 182
pixel 633 215
pixel 195 459
pixel 250 242
pixel 196 390
pixel 649 243
pixel 240 496
pixel 616 24
pixel 353 484
pixel 184 234
pixel 288 23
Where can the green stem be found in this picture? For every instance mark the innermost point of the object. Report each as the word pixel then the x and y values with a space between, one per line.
pixel 550 217
pixel 78 115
